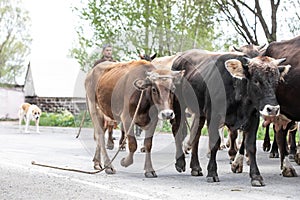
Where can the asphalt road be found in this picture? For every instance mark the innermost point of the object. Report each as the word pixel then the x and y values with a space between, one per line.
pixel 58 146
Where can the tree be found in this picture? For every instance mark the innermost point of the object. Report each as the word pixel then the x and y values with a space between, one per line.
pixel 248 17
pixel 143 26
pixel 14 39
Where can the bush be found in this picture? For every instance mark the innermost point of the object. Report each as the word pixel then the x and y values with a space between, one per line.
pixel 87 121
pixel 166 127
pixel 64 119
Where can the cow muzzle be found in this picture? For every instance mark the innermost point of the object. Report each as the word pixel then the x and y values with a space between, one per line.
pixel 166 114
pixel 270 110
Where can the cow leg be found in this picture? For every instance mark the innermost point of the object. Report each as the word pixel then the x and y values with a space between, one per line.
pixel 297 156
pixel 221 133
pixel 149 171
pixel 274 149
pixel 97 158
pixel 292 142
pixel 195 164
pixel 179 131
pixel 98 122
pixel 222 144
pixel 232 147
pixel 109 169
pixel 110 141
pixel 267 143
pixel 250 146
pixel 214 144
pixel 285 165
pixel 122 143
pixel 240 138
pixel 237 164
pixel 132 144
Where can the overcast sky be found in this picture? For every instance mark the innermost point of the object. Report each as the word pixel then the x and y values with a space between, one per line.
pixel 52 28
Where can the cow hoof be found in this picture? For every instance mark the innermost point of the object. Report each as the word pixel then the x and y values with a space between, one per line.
pixel 291 157
pixel 222 147
pixel 274 155
pixel 257 181
pixel 150 174
pixel 110 170
pixel 236 168
pixel 180 164
pixel 297 158
pixel 143 150
pixel 97 167
pixel 289 172
pixel 266 146
pixel 125 162
pixel 213 179
pixel 196 172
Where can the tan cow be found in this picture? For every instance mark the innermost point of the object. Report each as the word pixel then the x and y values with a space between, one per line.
pixel 117 94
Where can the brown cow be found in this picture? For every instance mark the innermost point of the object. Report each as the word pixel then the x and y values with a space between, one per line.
pixel 118 92
pixel 90 87
pixel 287 94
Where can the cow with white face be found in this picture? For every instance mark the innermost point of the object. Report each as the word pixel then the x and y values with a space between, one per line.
pixel 118 91
pixel 231 90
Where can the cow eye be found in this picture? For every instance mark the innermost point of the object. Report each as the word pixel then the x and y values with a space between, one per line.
pixel 173 88
pixel 256 82
pixel 154 90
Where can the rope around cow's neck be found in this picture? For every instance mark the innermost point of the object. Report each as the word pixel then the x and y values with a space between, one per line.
pixel 105 167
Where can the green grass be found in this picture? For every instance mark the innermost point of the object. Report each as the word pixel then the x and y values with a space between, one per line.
pixel 62 119
pixel 260 132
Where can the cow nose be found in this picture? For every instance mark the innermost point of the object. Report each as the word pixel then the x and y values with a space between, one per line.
pixel 271 110
pixel 166 114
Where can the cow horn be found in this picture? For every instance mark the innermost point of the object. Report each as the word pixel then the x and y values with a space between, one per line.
pixel 261 47
pixel 278 61
pixel 236 49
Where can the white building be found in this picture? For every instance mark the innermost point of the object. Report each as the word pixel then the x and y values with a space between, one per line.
pixel 55 85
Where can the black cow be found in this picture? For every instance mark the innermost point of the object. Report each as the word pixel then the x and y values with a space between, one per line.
pixel 287 92
pixel 229 89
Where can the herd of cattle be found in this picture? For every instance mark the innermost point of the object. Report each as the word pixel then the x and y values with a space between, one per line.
pixel 232 89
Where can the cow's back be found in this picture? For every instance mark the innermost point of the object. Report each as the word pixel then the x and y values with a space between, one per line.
pixel 93 76
pixel 288 91
pixel 211 82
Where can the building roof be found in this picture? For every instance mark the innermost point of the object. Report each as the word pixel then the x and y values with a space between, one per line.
pixel 54 78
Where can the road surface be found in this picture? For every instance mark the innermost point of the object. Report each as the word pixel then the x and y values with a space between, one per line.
pixel 58 146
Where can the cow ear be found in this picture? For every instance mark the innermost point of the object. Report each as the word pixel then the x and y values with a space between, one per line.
pixel 235 68
pixel 178 76
pixel 283 70
pixel 142 84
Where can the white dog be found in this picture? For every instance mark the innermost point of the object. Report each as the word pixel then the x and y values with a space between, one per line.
pixel 29 112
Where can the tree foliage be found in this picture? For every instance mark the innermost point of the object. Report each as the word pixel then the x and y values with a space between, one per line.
pixel 143 26
pixel 14 39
